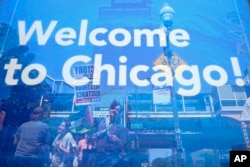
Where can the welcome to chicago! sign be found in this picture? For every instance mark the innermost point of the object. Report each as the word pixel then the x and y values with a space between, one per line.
pixel 188 76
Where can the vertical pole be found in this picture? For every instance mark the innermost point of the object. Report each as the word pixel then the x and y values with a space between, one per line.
pixel 41 101
pixel 178 140
pixel 125 110
pixel 136 112
pixel 169 55
pixel 136 131
pixel 73 104
pixel 211 105
pixel 183 104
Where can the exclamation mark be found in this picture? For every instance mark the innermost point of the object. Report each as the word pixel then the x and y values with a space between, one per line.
pixel 237 71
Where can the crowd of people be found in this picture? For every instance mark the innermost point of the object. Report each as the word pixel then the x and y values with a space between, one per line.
pixel 34 146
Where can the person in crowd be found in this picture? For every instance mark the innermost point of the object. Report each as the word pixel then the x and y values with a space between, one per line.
pixel 2 114
pixel 111 137
pixel 89 118
pixel 6 140
pixel 31 140
pixel 64 147
pixel 117 138
pixel 114 111
pixel 85 148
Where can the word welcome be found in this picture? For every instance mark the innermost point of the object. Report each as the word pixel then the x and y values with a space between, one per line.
pixel 118 37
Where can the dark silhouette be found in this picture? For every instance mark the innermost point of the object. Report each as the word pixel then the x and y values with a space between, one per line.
pixel 31 142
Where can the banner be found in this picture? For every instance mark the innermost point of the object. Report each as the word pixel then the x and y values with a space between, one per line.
pixel 161 95
pixel 89 93
pixel 213 45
